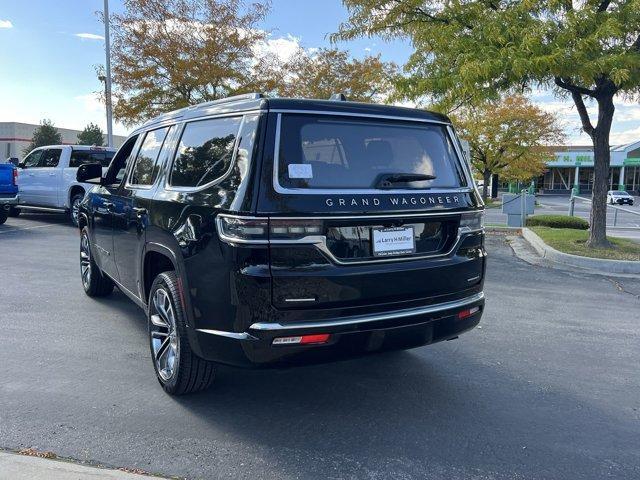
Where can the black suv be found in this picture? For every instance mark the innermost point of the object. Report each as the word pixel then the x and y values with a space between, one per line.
pixel 268 231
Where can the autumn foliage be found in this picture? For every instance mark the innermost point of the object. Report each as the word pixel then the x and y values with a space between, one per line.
pixel 510 137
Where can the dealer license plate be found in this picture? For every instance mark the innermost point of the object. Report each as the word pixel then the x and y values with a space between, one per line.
pixel 393 241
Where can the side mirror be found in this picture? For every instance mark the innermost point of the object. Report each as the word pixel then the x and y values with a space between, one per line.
pixel 90 173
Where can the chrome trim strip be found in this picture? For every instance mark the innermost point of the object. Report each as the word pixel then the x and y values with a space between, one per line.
pixel 355 191
pixel 371 318
pixel 293 300
pixel 320 241
pixel 221 333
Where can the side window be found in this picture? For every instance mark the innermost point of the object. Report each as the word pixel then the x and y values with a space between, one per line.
pixel 50 157
pixel 145 170
pixel 118 165
pixel 205 151
pixel 32 160
pixel 79 157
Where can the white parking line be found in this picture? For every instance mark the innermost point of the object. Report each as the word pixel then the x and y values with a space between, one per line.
pixel 26 228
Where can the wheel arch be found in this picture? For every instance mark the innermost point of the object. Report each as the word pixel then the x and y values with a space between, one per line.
pixel 156 259
pixel 73 191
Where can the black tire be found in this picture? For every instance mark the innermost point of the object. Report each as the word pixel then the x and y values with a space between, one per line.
pixel 178 369
pixel 14 211
pixel 3 215
pixel 94 282
pixel 74 207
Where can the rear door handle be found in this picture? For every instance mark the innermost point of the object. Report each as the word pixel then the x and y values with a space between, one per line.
pixel 52 174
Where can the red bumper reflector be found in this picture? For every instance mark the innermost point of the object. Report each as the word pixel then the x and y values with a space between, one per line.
pixel 467 313
pixel 302 339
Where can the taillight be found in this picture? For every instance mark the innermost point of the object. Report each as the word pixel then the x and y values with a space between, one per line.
pixel 234 229
pixel 315 339
pixel 237 229
pixel 472 221
pixel 468 313
pixel 15 177
pixel 293 229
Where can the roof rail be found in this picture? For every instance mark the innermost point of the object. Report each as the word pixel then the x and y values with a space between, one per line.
pixel 235 98
pixel 338 97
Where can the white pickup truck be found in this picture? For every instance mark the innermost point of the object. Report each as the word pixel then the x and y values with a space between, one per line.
pixel 47 177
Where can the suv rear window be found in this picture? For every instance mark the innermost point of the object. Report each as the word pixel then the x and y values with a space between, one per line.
pixel 79 157
pixel 331 152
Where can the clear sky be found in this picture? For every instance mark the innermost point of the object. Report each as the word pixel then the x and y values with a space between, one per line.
pixel 48 51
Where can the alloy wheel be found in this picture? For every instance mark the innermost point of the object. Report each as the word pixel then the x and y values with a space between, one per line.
pixel 85 261
pixel 164 338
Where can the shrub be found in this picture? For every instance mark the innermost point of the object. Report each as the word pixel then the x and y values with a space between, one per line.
pixel 558 221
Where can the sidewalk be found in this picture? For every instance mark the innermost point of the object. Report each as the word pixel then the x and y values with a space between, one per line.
pixel 21 467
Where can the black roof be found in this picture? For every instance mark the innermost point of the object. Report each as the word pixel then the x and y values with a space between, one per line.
pixel 255 101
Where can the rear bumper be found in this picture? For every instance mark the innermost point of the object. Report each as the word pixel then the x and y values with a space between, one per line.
pixel 349 336
pixel 8 201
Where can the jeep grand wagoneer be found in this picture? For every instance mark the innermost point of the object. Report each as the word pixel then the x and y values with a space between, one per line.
pixel 265 231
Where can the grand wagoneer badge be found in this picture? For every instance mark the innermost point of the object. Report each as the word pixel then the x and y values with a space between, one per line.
pixel 392 201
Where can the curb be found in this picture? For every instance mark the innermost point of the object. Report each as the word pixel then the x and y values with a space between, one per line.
pixel 511 230
pixel 600 264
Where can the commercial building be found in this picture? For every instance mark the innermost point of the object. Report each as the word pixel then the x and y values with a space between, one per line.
pixel 572 169
pixel 15 137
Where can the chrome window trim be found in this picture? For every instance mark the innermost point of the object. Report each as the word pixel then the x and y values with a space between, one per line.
pixel 167 183
pixel 205 116
pixel 356 320
pixel 359 191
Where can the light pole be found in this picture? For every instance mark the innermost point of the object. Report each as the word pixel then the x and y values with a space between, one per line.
pixel 107 81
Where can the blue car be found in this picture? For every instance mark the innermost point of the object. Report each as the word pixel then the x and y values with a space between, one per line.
pixel 8 189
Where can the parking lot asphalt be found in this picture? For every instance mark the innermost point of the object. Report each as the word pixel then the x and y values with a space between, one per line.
pixel 547 388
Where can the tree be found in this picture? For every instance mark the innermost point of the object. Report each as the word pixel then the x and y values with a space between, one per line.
pixel 168 54
pixel 91 135
pixel 465 50
pixel 508 137
pixel 327 71
pixel 45 134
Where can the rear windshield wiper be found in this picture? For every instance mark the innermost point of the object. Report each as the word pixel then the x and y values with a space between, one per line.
pixel 387 180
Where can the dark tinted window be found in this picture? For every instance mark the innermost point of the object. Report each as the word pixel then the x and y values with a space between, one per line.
pixel 79 157
pixel 145 170
pixel 50 157
pixel 204 152
pixel 339 152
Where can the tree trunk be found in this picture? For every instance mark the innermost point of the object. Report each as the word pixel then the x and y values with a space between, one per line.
pixel 601 164
pixel 486 175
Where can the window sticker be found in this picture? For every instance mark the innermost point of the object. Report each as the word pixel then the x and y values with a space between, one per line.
pixel 300 170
